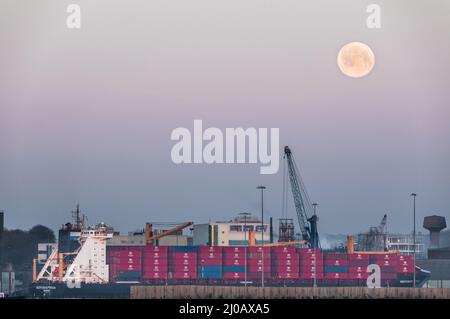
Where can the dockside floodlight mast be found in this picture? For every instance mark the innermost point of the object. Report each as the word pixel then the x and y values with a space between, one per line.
pixel 307 219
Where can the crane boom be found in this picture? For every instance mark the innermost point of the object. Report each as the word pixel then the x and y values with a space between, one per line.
pixel 150 237
pixel 303 206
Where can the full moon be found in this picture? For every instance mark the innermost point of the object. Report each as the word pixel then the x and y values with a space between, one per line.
pixel 356 59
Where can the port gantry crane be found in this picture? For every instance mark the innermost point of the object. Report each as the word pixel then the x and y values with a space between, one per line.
pixel 307 219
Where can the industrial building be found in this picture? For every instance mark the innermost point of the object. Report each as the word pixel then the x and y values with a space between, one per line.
pixel 232 233
pixel 438 261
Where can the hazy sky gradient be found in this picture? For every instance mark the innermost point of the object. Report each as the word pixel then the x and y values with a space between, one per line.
pixel 86 115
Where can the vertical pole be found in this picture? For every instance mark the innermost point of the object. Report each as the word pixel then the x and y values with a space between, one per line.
pixel 34 270
pixel 414 238
pixel 61 267
pixel 245 250
pixel 262 233
pixel 314 247
pixel 262 236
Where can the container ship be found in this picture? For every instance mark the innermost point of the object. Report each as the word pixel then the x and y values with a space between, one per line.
pixel 84 266
pixel 97 270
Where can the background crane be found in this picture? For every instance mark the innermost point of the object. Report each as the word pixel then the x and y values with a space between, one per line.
pixel 307 219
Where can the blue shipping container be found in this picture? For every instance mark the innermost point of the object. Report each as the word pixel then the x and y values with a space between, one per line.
pixel 210 275
pixel 129 275
pixel 184 249
pixel 217 268
pixel 340 269
pixel 233 268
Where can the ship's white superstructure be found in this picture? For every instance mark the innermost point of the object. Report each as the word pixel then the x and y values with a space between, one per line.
pixel 89 262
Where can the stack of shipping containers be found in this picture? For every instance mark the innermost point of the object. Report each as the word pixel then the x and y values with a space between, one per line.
pixel 285 263
pixel 234 260
pixel 335 265
pixel 311 263
pixel 405 265
pixel 155 262
pixel 210 262
pixel 229 264
pixel 183 262
pixel 125 263
pixel 357 266
pixel 258 260
pixel 388 266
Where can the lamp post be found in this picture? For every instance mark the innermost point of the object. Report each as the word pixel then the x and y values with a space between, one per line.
pixel 246 244
pixel 262 188
pixel 315 245
pixel 414 238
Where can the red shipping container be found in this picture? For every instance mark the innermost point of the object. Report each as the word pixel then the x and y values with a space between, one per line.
pixel 317 255
pixel 210 256
pixel 358 275
pixel 233 249
pixel 358 269
pixel 156 249
pixel 258 262
pixel 234 262
pixel 285 256
pixel 310 275
pixel 311 269
pixel 288 262
pixel 125 253
pixel 183 275
pixel 183 256
pixel 125 260
pixel 184 268
pixel 154 275
pixel 156 268
pixel 185 262
pixel 335 256
pixel 210 262
pixel 358 263
pixel 257 275
pixel 409 269
pixel 405 260
pixel 336 275
pixel 258 249
pixel 382 263
pixel 284 250
pixel 357 256
pixel 311 262
pixel 210 249
pixel 286 269
pixel 258 268
pixel 309 251
pixel 151 255
pixel 388 269
pixel 155 262
pixel 258 256
pixel 285 275
pixel 233 275
pixel 234 256
pixel 379 257
pixel 125 267
pixel 335 262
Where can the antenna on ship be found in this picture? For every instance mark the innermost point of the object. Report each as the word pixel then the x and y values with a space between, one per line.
pixel 78 217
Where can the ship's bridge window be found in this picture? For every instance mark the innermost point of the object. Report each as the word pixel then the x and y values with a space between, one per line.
pixel 260 228
pixel 248 227
pixel 236 228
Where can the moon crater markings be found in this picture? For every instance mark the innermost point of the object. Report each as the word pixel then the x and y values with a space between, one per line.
pixel 356 59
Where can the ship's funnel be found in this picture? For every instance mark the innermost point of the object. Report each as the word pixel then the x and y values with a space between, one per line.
pixel 434 224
